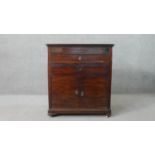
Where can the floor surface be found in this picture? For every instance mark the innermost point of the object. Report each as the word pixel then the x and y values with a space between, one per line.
pixel 34 108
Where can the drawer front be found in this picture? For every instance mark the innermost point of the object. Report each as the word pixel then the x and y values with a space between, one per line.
pixel 80 50
pixel 83 70
pixel 95 58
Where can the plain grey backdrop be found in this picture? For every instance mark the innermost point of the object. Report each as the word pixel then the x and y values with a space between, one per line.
pixel 23 61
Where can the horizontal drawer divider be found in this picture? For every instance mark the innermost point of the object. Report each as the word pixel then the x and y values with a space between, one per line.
pixel 80 65
pixel 105 75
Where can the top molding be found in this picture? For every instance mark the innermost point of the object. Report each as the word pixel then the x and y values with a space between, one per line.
pixel 81 45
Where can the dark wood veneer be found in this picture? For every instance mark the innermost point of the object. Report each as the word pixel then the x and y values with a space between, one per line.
pixel 79 78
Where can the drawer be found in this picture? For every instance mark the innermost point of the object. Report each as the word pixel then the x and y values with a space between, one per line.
pixel 80 50
pixel 83 70
pixel 79 58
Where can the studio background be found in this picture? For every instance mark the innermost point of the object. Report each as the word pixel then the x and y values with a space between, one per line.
pixel 23 61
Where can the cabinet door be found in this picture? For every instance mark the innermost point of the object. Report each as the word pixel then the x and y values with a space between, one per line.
pixel 72 94
pixel 64 92
pixel 94 93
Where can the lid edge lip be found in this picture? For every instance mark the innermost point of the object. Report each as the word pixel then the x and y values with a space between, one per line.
pixel 108 45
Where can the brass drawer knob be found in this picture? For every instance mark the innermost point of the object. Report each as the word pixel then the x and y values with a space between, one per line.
pixel 80 69
pixel 82 93
pixel 76 92
pixel 79 58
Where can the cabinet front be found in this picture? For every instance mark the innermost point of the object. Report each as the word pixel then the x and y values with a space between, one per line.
pixel 79 79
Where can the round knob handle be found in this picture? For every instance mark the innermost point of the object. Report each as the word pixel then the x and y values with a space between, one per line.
pixel 76 92
pixel 79 58
pixel 82 93
pixel 80 69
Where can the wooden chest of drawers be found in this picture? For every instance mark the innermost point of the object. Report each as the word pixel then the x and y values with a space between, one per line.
pixel 79 78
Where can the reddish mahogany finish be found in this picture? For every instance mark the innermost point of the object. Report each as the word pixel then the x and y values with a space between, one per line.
pixel 79 78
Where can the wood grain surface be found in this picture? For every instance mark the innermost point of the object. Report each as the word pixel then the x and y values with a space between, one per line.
pixel 79 79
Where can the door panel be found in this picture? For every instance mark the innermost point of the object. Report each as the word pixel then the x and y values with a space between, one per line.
pixel 64 92
pixel 94 93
